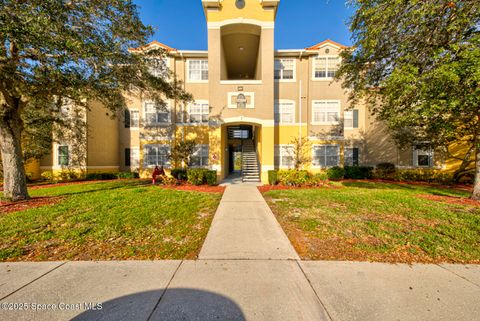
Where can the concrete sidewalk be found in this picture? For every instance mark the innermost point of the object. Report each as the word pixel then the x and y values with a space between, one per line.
pixel 247 271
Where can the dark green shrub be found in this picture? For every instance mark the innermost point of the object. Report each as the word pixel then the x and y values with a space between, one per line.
pixel 384 171
pixel 318 179
pixel 423 175
pixel 101 176
pixel 196 176
pixel 335 172
pixel 273 177
pixel 211 177
pixel 292 177
pixel 127 175
pixel 180 174
pixel 358 172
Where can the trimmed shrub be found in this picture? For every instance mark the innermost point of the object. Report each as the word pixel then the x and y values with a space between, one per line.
pixel 101 176
pixel 423 175
pixel 167 180
pixel 318 179
pixel 292 177
pixel 335 172
pixel 273 177
pixel 211 177
pixel 127 175
pixel 358 172
pixel 69 175
pixel 196 176
pixel 179 173
pixel 384 171
pixel 47 176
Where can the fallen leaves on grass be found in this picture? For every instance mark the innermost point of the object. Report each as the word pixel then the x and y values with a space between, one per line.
pixel 450 199
pixel 9 207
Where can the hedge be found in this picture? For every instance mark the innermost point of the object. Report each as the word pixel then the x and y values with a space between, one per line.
pixel 180 174
pixel 358 172
pixel 335 172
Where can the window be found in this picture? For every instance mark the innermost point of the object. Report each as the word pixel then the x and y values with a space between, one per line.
pixel 422 156
pixel 285 112
pixel 198 112
pixel 350 118
pixel 284 156
pixel 135 157
pixel 247 99
pixel 155 115
pixel 351 156
pixel 131 118
pixel 158 66
pixel 63 155
pixel 199 157
pixel 326 155
pixel 325 67
pixel 325 112
pixel 128 157
pixel 156 155
pixel 284 69
pixel 198 70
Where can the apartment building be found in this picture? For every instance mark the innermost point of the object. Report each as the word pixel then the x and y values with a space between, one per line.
pixel 250 102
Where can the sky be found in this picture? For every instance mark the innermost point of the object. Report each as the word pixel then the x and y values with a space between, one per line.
pixel 300 23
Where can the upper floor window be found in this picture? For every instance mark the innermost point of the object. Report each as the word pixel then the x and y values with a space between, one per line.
pixel 158 67
pixel 284 156
pixel 325 112
pixel 285 112
pixel 284 69
pixel 326 155
pixel 350 119
pixel 156 114
pixel 198 112
pixel 156 155
pixel 63 155
pixel 199 157
pixel 325 67
pixel 422 156
pixel 198 70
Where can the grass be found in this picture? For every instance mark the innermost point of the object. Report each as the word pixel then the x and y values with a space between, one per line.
pixel 109 220
pixel 379 222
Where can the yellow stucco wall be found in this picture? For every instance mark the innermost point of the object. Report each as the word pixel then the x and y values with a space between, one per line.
pixel 252 10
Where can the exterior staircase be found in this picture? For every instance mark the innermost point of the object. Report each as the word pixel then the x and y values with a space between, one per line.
pixel 250 166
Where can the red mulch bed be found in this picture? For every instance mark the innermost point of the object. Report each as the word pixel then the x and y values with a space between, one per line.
pixel 9 207
pixel 450 199
pixel 193 188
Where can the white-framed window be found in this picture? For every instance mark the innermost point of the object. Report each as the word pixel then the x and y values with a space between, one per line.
pixel 284 156
pixel 156 115
pixel 325 155
pixel 285 112
pixel 156 155
pixel 197 70
pixel 422 156
pixel 199 157
pixel 63 155
pixel 248 99
pixel 351 156
pixel 325 67
pixel 284 69
pixel 350 119
pixel 325 112
pixel 198 111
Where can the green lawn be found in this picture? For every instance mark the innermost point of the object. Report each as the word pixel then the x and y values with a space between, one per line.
pixel 109 220
pixel 378 222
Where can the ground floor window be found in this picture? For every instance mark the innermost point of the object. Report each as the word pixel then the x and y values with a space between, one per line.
pixel 326 155
pixel 284 156
pixel 422 156
pixel 156 155
pixel 351 156
pixel 199 158
pixel 63 155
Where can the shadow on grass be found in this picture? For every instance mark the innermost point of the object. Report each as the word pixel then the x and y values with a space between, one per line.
pixel 98 186
pixel 434 190
pixel 167 305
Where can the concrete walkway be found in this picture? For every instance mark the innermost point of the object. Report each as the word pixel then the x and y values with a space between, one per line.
pixel 247 270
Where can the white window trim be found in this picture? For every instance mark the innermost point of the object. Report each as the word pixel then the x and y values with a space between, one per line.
pixel 327 122
pixel 139 119
pixel 430 153
pixel 208 156
pixel 277 111
pixel 194 81
pixel 134 163
pixel 167 165
pixel 234 94
pixel 200 102
pixel 56 154
pixel 344 113
pixel 326 145
pixel 279 148
pixel 294 71
pixel 169 107
pixel 326 67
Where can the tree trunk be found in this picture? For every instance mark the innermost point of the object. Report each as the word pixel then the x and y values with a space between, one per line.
pixel 15 183
pixel 476 186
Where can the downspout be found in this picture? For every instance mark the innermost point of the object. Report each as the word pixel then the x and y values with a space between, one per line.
pixel 183 106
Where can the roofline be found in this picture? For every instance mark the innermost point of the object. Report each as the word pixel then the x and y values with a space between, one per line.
pixel 325 43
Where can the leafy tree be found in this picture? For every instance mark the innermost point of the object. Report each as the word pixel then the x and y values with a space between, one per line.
pixel 301 152
pixel 182 151
pixel 417 65
pixel 78 50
